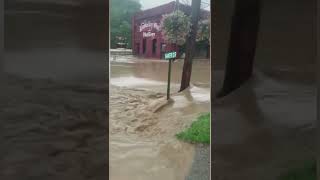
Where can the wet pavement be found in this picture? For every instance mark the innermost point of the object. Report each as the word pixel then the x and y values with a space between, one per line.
pixel 200 169
pixel 142 137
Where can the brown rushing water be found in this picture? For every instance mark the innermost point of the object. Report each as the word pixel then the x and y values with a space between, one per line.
pixel 142 142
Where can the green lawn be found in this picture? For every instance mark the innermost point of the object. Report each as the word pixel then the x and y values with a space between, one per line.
pixel 198 132
pixel 307 172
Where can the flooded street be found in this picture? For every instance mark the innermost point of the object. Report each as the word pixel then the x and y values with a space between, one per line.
pixel 143 124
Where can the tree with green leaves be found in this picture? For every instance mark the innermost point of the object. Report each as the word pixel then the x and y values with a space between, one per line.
pixel 203 33
pixel 203 36
pixel 121 12
pixel 175 27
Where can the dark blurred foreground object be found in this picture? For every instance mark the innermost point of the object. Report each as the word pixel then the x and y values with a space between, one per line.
pixel 242 45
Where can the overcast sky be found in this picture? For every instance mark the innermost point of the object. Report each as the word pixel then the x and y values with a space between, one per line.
pixel 147 4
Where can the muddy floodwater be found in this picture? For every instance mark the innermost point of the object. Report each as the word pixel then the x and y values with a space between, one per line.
pixel 143 123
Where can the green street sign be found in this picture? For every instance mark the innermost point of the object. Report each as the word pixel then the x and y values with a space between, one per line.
pixel 170 55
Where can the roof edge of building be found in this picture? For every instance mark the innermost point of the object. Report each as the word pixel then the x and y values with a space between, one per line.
pixel 152 11
pixel 160 6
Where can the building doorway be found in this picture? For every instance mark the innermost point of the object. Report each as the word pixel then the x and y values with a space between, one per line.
pixel 144 46
pixel 154 46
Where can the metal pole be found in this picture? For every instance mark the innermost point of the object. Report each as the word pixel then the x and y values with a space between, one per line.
pixel 169 77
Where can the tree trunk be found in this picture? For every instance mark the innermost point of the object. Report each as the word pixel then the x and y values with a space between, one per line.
pixel 190 45
pixel 242 46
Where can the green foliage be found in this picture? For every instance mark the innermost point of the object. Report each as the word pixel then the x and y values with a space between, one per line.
pixel 203 33
pixel 175 27
pixel 121 12
pixel 199 131
pixel 306 172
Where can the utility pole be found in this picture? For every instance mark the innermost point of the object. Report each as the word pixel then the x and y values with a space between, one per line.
pixel 190 45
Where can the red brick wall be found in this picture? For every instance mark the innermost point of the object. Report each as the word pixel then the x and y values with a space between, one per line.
pixel 138 38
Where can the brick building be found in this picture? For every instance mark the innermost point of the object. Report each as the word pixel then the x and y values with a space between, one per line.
pixel 147 40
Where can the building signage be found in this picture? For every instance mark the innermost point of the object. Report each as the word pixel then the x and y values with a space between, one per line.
pixel 148 34
pixel 170 55
pixel 149 26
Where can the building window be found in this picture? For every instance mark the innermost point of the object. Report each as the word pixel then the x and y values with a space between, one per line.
pixel 154 46
pixel 144 46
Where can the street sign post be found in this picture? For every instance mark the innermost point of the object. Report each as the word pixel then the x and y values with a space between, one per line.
pixel 169 56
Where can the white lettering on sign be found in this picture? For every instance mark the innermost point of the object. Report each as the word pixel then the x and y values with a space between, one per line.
pixel 149 26
pixel 148 34
pixel 170 55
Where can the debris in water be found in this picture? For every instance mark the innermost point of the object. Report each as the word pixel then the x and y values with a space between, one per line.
pixel 156 105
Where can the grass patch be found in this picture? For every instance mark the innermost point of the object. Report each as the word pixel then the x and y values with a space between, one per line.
pixel 198 132
pixel 307 172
